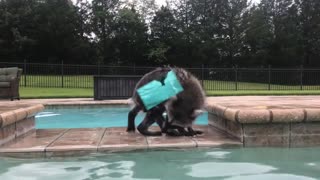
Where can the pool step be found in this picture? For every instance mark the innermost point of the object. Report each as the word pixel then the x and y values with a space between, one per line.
pixel 67 142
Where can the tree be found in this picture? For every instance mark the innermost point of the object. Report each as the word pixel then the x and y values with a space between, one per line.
pixel 309 18
pixel 103 24
pixel 163 35
pixel 233 28
pixel 258 37
pixel 16 28
pixel 146 8
pixel 130 37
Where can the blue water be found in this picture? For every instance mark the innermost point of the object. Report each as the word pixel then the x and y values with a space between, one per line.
pixel 91 118
pixel 213 164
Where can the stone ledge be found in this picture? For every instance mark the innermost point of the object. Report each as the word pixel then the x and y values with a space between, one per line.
pixel 17 122
pixel 277 134
pixel 281 115
pixel 11 117
pixel 68 142
pixel 271 121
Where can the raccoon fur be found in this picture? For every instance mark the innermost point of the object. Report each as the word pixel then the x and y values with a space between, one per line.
pixel 181 110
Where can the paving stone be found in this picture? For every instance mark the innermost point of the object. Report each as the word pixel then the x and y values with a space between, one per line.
pixel 214 138
pixel 313 114
pixel 117 139
pixel 7 133
pixel 168 142
pixel 260 130
pixel 234 128
pixel 253 116
pixel 305 128
pixel 36 141
pixel 305 140
pixel 216 121
pixel 266 141
pixel 287 115
pixel 230 114
pixel 8 118
pixel 25 126
pixel 77 139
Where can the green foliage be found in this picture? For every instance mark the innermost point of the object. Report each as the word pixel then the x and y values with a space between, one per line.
pixel 130 39
pixel 281 33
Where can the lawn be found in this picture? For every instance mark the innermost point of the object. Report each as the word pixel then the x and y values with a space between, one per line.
pixel 79 81
pixel 27 92
pixel 82 86
pixel 262 92
pixel 86 81
pixel 248 86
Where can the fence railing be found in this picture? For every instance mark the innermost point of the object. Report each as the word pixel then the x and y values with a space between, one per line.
pixel 213 79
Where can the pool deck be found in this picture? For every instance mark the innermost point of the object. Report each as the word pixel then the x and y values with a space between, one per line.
pixel 66 142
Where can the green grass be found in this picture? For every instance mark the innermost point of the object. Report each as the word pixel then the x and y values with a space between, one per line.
pixel 31 93
pixel 84 84
pixel 247 86
pixel 263 92
pixel 26 92
pixel 85 81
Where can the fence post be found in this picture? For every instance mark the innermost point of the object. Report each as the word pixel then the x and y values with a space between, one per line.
pixel 62 74
pixel 202 75
pixel 301 77
pixel 269 77
pixel 25 72
pixel 236 77
pixel 134 68
pixel 99 66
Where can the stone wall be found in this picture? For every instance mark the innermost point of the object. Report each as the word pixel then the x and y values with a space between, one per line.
pixel 17 122
pixel 268 127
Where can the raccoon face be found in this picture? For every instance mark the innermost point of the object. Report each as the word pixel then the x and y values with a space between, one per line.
pixel 185 119
pixel 182 117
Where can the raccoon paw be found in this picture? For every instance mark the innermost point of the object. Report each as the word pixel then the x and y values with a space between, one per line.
pixel 173 132
pixel 198 132
pixel 131 129
pixel 189 134
pixel 146 132
pixel 192 132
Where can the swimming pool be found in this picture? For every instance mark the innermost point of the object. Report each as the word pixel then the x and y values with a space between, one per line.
pixel 215 164
pixel 91 117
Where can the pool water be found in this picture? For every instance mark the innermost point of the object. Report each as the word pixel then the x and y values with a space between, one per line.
pixel 91 118
pixel 214 164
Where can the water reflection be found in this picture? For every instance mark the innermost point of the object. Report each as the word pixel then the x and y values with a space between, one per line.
pixel 88 170
pixel 221 169
pixel 218 154
pixel 215 164
pixel 271 176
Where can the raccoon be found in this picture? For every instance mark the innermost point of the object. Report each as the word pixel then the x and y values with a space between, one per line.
pixel 181 110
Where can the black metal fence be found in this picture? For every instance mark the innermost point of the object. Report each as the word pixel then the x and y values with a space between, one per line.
pixel 213 79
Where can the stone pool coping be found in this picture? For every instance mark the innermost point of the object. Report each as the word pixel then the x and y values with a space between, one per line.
pixel 286 121
pixel 67 142
pixel 6 105
pixel 269 121
pixel 242 109
pixel 13 116
pixel 265 110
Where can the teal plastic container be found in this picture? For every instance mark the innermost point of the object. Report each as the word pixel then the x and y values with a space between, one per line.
pixel 155 92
